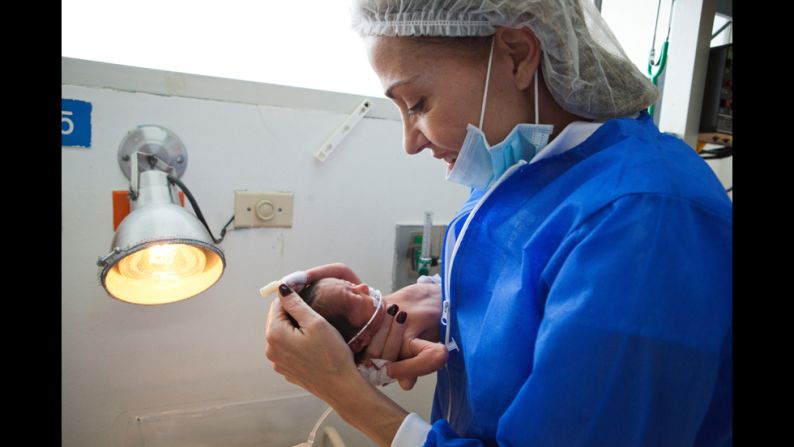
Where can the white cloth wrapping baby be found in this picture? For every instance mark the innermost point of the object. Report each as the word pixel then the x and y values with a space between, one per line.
pixel 376 373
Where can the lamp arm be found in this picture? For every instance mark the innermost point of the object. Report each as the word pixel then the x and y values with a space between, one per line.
pixel 154 162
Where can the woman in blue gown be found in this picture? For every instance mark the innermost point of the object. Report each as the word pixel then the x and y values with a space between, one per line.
pixel 586 283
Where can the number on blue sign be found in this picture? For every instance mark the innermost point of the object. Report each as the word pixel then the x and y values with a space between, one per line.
pixel 68 121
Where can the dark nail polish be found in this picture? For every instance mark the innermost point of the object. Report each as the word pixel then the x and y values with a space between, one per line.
pixel 401 317
pixel 284 290
pixel 392 309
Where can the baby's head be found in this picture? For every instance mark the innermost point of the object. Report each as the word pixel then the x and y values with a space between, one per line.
pixel 348 307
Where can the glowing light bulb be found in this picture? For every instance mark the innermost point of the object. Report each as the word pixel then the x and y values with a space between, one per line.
pixel 164 273
pixel 162 256
pixel 166 265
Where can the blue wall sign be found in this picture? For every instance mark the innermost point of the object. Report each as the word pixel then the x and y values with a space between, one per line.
pixel 75 123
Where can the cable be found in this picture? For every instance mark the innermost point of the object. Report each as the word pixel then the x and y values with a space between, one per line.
pixel 729 189
pixel 655 27
pixel 662 62
pixel 317 425
pixel 223 230
pixel 717 151
pixel 712 154
pixel 176 181
pixel 310 442
pixel 717 33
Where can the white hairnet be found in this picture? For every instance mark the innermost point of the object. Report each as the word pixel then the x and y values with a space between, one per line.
pixel 584 66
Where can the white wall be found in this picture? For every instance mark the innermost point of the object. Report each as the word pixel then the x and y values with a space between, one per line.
pixel 632 23
pixel 122 360
pixel 202 32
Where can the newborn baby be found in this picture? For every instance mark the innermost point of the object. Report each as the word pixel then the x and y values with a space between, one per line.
pixel 357 312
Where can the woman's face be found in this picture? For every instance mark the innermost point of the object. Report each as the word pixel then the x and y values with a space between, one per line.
pixel 438 91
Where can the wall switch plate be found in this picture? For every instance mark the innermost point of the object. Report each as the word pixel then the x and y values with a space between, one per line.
pixel 262 209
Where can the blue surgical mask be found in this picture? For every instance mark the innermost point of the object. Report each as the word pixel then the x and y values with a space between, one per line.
pixel 479 165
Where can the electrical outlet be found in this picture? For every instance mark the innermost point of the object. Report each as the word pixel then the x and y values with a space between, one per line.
pixel 262 209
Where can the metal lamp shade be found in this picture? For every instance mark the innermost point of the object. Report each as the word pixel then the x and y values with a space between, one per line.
pixel 161 253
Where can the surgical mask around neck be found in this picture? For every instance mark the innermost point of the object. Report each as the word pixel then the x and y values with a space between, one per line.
pixel 479 165
pixel 377 301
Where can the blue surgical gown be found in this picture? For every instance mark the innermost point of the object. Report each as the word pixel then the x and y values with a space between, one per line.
pixel 590 298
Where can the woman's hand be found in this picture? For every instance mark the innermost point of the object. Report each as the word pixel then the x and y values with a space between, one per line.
pixel 425 307
pixel 312 355
pixel 385 344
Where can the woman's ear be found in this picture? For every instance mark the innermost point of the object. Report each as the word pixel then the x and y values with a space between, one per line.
pixel 523 49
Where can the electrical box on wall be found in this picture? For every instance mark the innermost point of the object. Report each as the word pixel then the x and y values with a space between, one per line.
pixel 407 248
pixel 717 111
pixel 262 209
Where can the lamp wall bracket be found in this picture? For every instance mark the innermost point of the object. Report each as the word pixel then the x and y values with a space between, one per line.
pixel 157 141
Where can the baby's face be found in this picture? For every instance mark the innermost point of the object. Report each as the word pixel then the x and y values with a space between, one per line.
pixel 357 304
